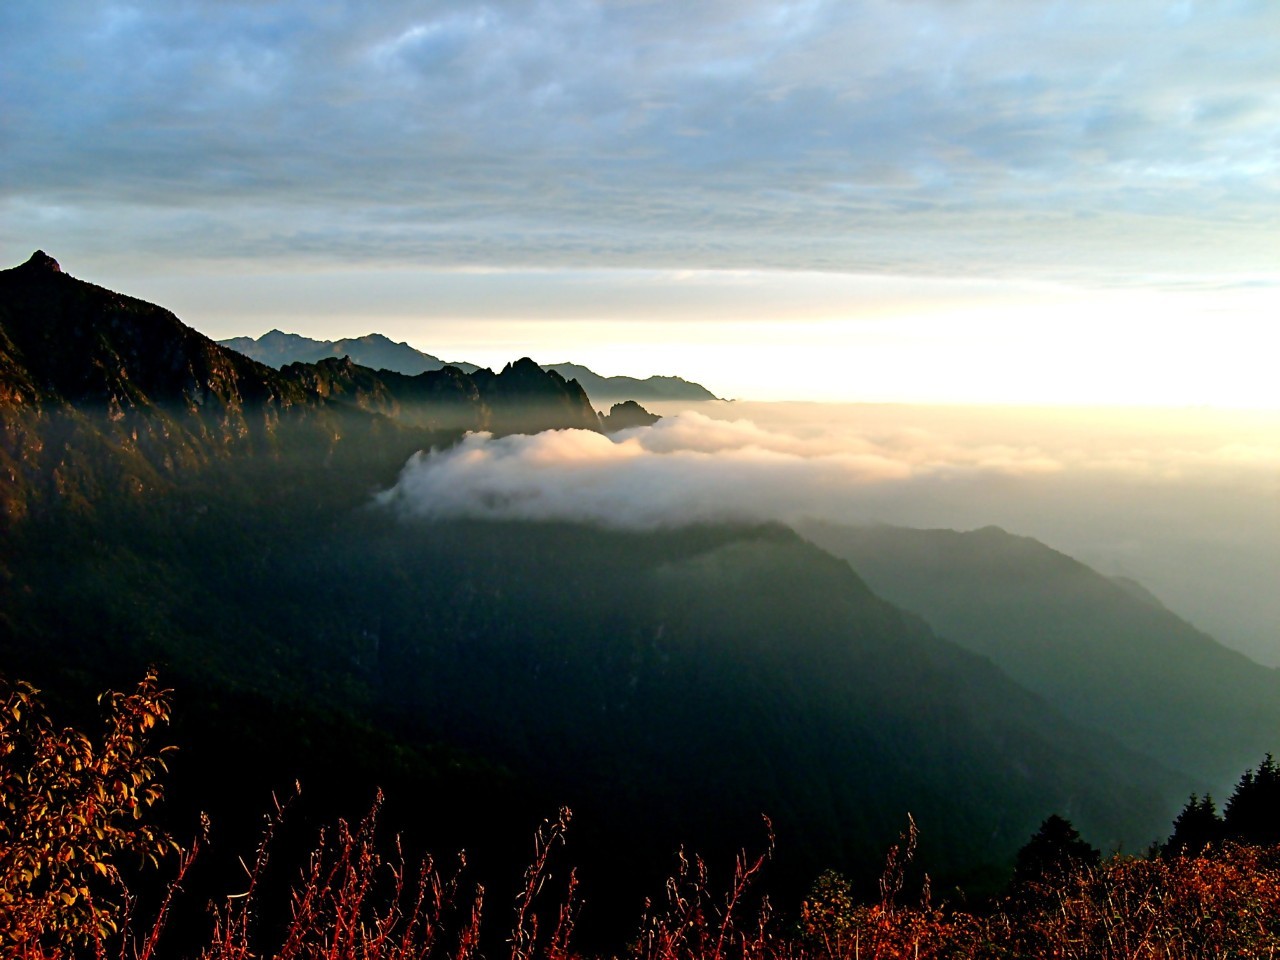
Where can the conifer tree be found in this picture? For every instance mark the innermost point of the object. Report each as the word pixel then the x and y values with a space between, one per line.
pixel 1055 850
pixel 1196 828
pixel 1252 815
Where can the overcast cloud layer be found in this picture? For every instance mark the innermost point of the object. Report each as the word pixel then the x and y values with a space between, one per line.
pixel 1094 141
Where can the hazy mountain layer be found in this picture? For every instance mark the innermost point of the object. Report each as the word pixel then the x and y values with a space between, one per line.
pixel 709 674
pixel 1104 652
pixel 608 389
pixel 279 349
pixel 381 353
pixel 669 686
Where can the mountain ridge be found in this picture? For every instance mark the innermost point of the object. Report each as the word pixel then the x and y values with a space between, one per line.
pixel 100 388
pixel 377 351
pixel 374 350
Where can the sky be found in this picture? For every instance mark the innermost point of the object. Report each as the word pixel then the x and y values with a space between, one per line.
pixel 994 201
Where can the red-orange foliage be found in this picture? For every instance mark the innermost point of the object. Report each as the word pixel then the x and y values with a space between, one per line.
pixel 72 814
pixel 697 925
pixel 350 902
pixel 832 926
pixel 1222 904
pixel 70 806
pixel 1216 905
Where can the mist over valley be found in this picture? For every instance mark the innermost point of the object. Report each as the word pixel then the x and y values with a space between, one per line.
pixel 1183 501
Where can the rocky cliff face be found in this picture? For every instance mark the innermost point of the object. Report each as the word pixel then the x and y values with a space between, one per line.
pixel 102 393
pixel 524 398
pixel 71 342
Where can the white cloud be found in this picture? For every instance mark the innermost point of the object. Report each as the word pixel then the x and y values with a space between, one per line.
pixel 1184 501
pixel 685 469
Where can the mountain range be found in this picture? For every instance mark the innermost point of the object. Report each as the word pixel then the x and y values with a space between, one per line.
pixel 168 500
pixel 377 352
pixel 135 398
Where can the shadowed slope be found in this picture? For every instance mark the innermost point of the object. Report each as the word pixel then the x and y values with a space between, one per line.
pixel 1106 654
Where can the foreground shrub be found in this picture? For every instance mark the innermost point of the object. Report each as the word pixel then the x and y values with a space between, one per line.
pixel 1217 905
pixel 832 925
pixel 72 816
pixel 352 901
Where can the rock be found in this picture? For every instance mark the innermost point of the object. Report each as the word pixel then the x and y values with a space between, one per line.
pixel 42 261
pixel 627 414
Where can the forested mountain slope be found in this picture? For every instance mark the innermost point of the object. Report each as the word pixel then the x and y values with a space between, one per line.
pixel 1104 653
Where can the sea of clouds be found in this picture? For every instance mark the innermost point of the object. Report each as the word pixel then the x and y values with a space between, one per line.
pixel 684 469
pixel 1187 502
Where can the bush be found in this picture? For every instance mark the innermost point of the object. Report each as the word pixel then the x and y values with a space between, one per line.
pixel 73 824
pixel 72 816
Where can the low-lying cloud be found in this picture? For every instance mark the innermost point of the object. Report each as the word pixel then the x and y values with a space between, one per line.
pixel 1187 502
pixel 685 469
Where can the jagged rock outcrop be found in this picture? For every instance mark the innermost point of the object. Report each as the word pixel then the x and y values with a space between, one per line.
pixel 627 414
pixel 444 399
pixel 524 398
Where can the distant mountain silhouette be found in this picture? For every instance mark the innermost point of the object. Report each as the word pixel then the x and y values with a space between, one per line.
pixel 380 353
pixel 605 389
pixel 1104 651
pixel 373 350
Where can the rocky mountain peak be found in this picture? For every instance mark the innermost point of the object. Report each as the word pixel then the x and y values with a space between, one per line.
pixel 43 262
pixel 627 414
pixel 524 367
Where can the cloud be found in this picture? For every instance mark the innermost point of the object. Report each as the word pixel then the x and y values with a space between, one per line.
pixel 926 136
pixel 906 465
pixel 1184 501
pixel 685 469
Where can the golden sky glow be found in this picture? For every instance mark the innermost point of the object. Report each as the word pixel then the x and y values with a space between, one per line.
pixel 771 335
